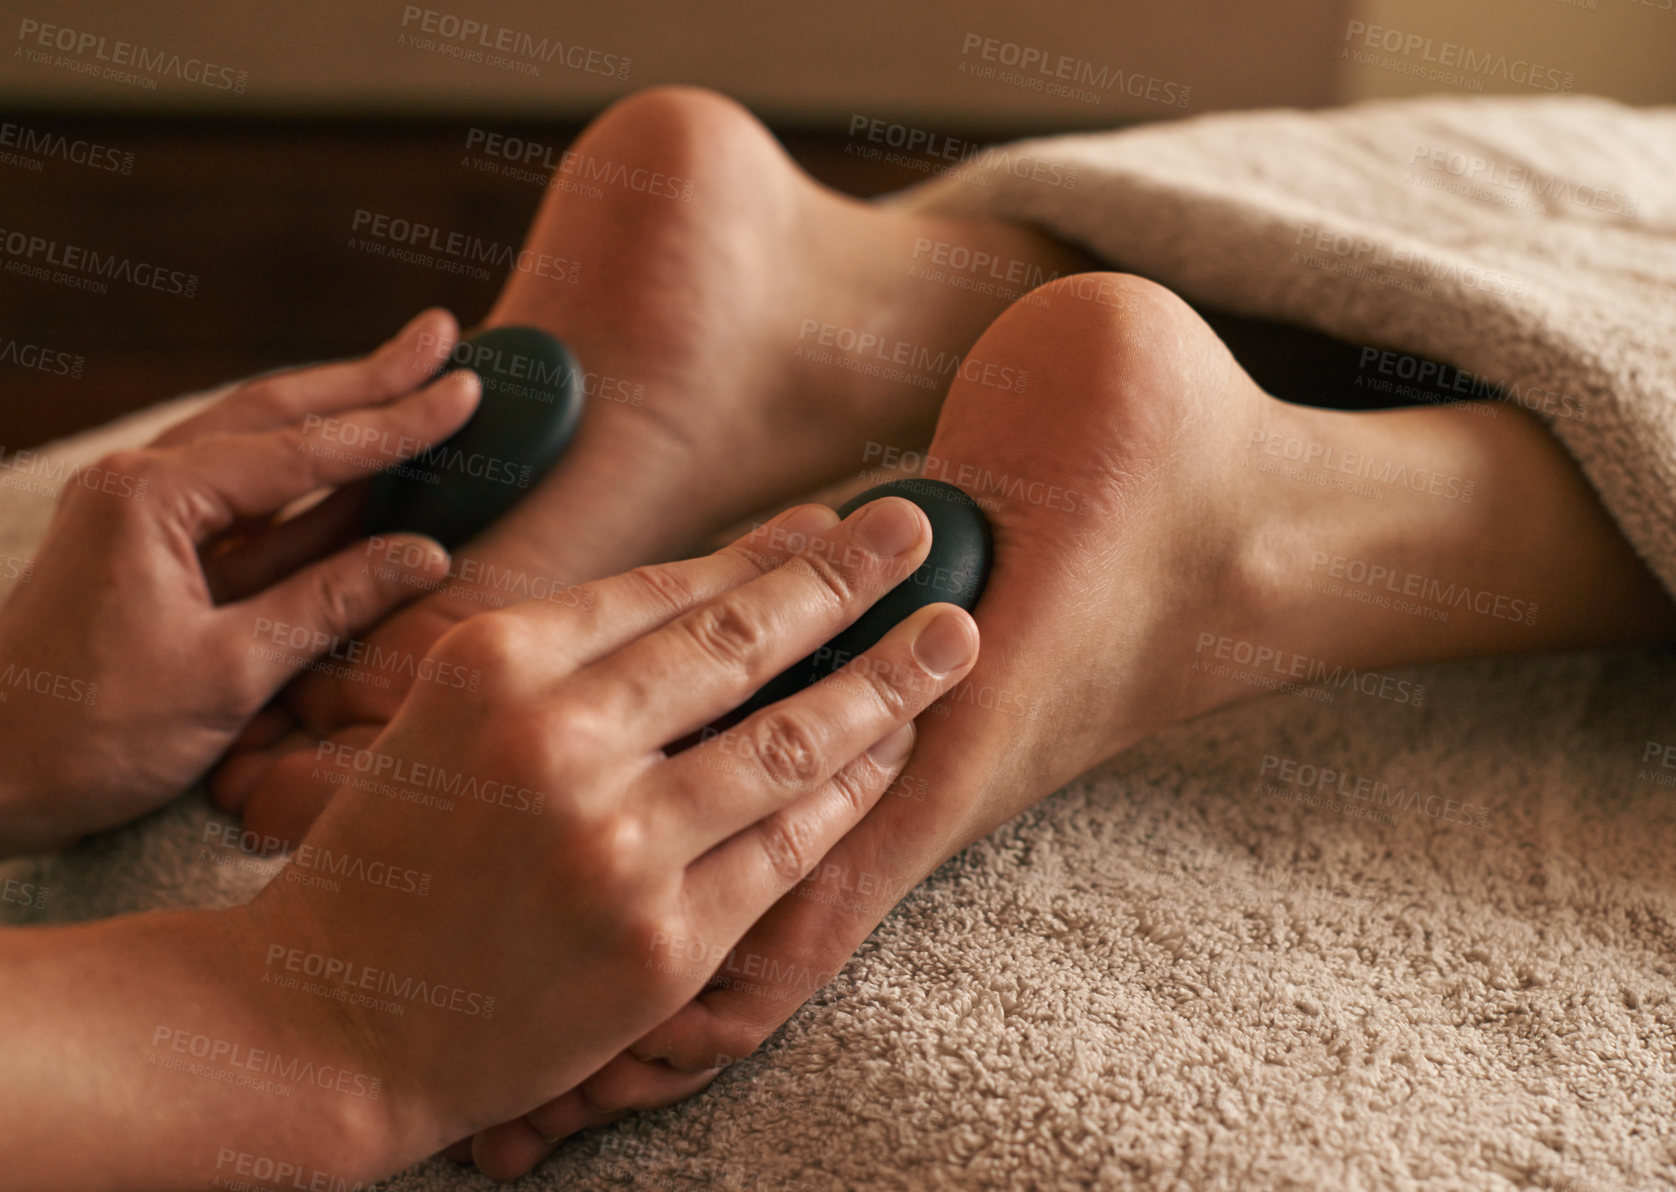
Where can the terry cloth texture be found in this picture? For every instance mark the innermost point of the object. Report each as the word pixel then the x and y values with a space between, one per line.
pixel 1207 964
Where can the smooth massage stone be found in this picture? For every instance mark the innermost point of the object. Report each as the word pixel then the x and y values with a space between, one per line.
pixel 954 572
pixel 532 402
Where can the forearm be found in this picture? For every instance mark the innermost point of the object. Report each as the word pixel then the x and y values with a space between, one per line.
pixel 156 1035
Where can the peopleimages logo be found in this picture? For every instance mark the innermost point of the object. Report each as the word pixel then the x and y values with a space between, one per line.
pixel 35 255
pixel 79 152
pixel 145 61
pixel 480 41
pixel 338 974
pixel 47 360
pixel 418 236
pixel 1452 55
pixel 1352 789
pixel 233 1055
pixel 1398 581
pixel 1037 69
pixel 921 148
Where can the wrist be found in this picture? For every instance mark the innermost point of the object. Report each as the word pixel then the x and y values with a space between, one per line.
pixel 360 1119
pixel 42 779
pixel 158 1027
pixel 31 801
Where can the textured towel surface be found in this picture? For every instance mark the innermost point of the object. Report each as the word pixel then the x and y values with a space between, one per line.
pixel 1188 970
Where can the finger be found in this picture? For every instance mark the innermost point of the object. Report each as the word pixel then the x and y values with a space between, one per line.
pixel 267 728
pixel 385 665
pixel 793 747
pixel 617 610
pixel 803 944
pixel 459 1152
pixel 589 621
pixel 300 785
pixel 707 661
pixel 253 475
pixel 622 1086
pixel 403 363
pixel 275 552
pixel 271 736
pixel 805 939
pixel 318 610
pixel 731 886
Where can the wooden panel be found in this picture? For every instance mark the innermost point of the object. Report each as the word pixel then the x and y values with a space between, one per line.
pixel 958 64
pixel 262 214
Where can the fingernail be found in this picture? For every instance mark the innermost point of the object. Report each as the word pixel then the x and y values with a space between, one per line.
pixel 434 554
pixel 888 527
pixel 945 644
pixel 895 747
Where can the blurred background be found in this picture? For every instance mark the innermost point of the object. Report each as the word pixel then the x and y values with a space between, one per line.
pixel 228 145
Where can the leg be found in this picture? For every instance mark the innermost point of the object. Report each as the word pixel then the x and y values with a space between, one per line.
pixel 1149 543
pixel 731 319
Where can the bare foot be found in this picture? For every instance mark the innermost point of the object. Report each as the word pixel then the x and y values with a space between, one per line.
pixel 744 333
pixel 1168 539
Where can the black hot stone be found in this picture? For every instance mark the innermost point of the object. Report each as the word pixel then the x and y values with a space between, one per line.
pixel 954 572
pixel 532 402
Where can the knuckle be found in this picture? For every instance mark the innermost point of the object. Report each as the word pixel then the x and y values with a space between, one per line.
pixel 617 848
pixel 728 633
pixel 387 375
pixel 336 600
pixel 644 932
pixel 894 688
pixel 149 486
pixel 666 586
pixel 557 745
pixel 246 687
pixel 295 439
pixel 834 581
pixel 493 643
pixel 788 844
pixel 787 749
pixel 130 461
pixel 856 782
pixel 579 729
pixel 766 547
pixel 267 398
pixel 136 466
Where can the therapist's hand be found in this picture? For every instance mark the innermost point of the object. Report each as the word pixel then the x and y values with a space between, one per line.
pixel 579 878
pixel 168 602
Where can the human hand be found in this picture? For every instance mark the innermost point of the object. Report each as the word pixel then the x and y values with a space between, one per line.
pixel 169 601
pixel 574 865
pixel 1116 531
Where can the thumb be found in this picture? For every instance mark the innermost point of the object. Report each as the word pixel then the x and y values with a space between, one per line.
pixel 316 613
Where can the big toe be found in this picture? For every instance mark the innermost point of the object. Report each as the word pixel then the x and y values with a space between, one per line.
pixel 294 788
